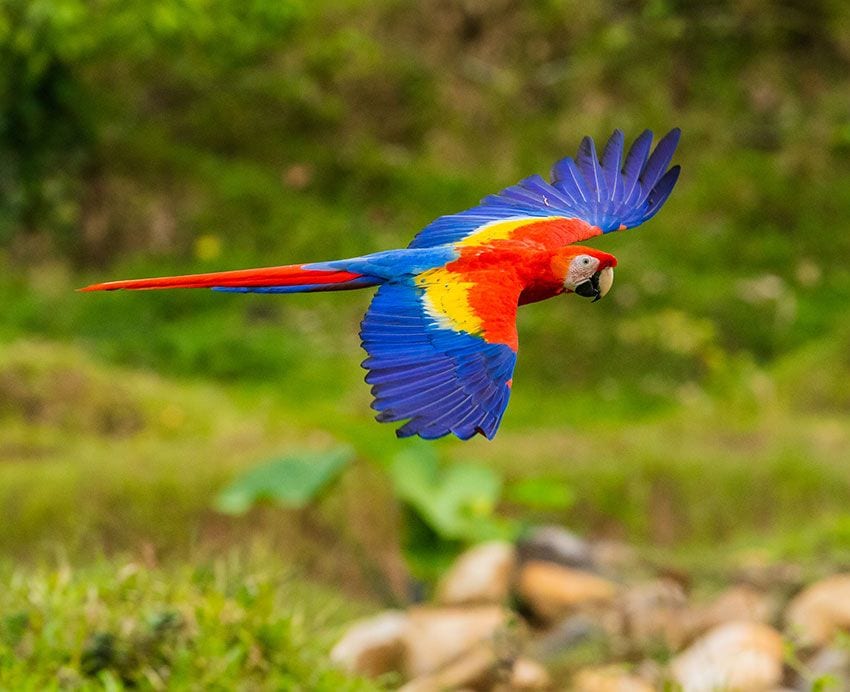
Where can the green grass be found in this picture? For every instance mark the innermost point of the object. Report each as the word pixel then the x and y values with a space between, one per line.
pixel 244 622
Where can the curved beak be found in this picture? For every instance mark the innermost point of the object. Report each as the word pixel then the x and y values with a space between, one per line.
pixel 598 285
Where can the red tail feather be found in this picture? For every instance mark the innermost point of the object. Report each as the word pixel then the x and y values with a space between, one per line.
pixel 291 275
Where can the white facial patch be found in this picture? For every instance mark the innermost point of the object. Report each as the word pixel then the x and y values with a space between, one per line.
pixel 581 268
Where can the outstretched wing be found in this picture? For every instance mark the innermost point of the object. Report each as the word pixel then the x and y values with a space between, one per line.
pixel 442 353
pixel 587 197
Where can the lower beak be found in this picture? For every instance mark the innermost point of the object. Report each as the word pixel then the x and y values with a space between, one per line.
pixel 597 285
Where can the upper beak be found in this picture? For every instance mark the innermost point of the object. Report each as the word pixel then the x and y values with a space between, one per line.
pixel 597 285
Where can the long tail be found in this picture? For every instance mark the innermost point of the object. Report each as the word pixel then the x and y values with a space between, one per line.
pixel 294 278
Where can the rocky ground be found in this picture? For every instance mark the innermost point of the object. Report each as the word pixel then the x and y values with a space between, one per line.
pixel 556 612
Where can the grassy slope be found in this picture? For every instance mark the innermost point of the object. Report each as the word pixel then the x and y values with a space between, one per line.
pixel 99 462
pixel 220 624
pixel 95 456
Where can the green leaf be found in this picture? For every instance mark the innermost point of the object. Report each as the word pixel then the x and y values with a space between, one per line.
pixel 292 481
pixel 825 682
pixel 414 474
pixel 541 494
pixel 456 502
pixel 468 493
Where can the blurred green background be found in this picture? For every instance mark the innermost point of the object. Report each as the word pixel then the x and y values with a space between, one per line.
pixel 705 402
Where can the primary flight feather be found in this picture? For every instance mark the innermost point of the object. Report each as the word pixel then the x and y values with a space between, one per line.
pixel 440 332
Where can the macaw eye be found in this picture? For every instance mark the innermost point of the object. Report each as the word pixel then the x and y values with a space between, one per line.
pixel 585 261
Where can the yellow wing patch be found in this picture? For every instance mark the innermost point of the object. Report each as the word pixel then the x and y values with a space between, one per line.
pixel 500 230
pixel 447 301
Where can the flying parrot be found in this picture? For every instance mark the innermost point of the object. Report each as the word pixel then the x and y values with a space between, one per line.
pixel 440 332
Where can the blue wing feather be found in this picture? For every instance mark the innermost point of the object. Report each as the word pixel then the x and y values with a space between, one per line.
pixel 567 178
pixel 600 193
pixel 439 380
pixel 662 191
pixel 635 161
pixel 659 160
pixel 611 158
pixel 588 164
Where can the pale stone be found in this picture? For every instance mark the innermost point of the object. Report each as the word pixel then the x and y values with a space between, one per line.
pixel 652 672
pixel 608 679
pixel 373 646
pixel 476 667
pixel 744 656
pixel 436 636
pixel 480 575
pixel 614 557
pixel 759 568
pixel 654 612
pixel 820 611
pixel 832 662
pixel 552 590
pixel 481 667
pixel 740 602
pixel 528 674
pixel 569 632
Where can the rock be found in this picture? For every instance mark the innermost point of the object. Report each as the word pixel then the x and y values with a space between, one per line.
pixel 743 656
pixel 555 544
pixel 613 557
pixel 480 575
pixel 551 591
pixel 436 636
pixel 477 667
pixel 651 672
pixel 611 678
pixel 818 612
pixel 373 646
pixel 762 571
pixel 832 662
pixel 654 612
pixel 566 634
pixel 483 667
pixel 740 602
pixel 528 674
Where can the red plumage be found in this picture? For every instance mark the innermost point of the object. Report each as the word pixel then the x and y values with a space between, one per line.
pixel 289 275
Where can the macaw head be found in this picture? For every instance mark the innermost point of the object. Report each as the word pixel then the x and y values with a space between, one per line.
pixel 585 271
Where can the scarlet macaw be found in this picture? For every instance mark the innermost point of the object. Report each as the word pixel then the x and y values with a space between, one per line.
pixel 440 332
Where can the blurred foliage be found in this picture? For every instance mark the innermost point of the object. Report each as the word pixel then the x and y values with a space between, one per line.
pixel 456 501
pixel 58 98
pixel 542 494
pixel 294 481
pixel 222 133
pixel 451 505
pixel 447 508
pixel 141 138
